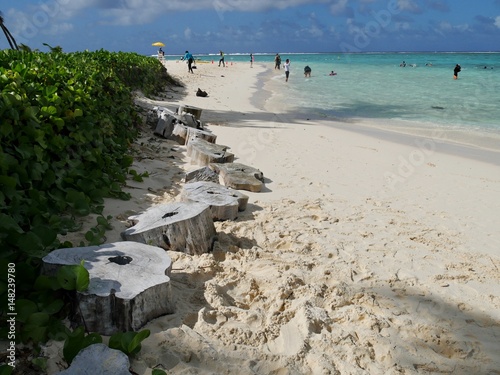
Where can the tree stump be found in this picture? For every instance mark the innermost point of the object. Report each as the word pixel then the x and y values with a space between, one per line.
pixel 202 152
pixel 239 176
pixel 200 134
pixel 129 284
pixel 179 134
pixel 161 110
pixel 224 202
pixel 188 120
pixel 202 174
pixel 183 226
pixel 165 125
pixel 190 109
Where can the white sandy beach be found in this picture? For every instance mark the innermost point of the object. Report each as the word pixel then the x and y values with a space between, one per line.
pixel 367 252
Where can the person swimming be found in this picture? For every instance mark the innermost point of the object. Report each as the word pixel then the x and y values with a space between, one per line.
pixel 332 73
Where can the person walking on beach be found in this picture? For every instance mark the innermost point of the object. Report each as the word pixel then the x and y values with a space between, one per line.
pixel 222 59
pixel 456 71
pixel 277 62
pixel 190 60
pixel 287 69
pixel 251 60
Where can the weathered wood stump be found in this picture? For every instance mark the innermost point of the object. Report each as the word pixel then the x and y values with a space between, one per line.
pixel 202 174
pixel 224 202
pixel 129 284
pixel 188 120
pixel 200 134
pixel 179 134
pixel 161 110
pixel 195 111
pixel 239 176
pixel 165 125
pixel 202 152
pixel 184 226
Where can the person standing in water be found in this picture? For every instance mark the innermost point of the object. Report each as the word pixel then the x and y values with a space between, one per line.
pixel 277 61
pixel 456 71
pixel 287 69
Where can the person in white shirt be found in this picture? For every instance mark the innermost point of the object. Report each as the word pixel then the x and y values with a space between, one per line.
pixel 287 69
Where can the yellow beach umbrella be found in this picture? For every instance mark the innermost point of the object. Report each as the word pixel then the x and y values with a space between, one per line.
pixel 158 44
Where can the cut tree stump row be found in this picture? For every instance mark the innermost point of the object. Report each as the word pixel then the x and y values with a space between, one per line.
pixel 195 111
pixel 239 176
pixel 181 226
pixel 202 152
pixel 224 203
pixel 129 284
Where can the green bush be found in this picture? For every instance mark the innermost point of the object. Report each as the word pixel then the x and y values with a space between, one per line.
pixel 66 124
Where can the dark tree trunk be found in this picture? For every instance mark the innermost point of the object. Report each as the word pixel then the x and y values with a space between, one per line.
pixel 8 35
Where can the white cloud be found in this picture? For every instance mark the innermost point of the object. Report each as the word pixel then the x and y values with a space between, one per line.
pixel 58 29
pixel 26 26
pixel 338 7
pixel 314 31
pixel 129 12
pixel 160 7
pixel 463 27
pixel 447 27
pixel 497 22
pixel 408 5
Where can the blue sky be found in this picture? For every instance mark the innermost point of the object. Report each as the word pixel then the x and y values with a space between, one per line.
pixel 255 25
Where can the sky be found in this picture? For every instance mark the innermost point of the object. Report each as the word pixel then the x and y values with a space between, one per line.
pixel 254 26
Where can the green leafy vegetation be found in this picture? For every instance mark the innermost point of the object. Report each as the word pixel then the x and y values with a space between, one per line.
pixel 66 124
pixel 158 372
pixel 128 342
pixel 40 312
pixel 78 340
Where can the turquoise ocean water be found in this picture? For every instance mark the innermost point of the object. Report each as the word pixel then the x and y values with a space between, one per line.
pixel 373 86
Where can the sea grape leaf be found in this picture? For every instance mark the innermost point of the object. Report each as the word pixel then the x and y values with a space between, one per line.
pixel 72 346
pixel 7 223
pixel 53 307
pixel 24 309
pixel 45 234
pixel 73 277
pixel 49 110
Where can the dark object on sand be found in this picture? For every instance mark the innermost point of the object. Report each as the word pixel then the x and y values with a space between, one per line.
pixel 201 93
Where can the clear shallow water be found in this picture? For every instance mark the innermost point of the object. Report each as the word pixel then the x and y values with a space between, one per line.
pixel 374 86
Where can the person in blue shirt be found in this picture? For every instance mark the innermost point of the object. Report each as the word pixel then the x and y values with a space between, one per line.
pixel 190 60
